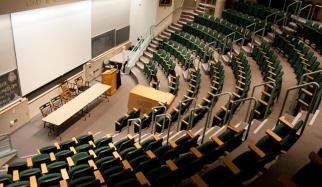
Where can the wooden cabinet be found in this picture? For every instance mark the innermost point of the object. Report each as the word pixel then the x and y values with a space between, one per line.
pixel 109 78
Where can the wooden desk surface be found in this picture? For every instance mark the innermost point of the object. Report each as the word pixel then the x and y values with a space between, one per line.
pixel 69 109
pixel 153 94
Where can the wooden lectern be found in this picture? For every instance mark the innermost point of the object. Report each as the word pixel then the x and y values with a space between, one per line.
pixel 109 78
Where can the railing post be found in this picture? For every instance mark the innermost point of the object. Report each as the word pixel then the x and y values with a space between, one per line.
pixel 316 87
pixel 253 91
pixel 219 95
pixel 180 108
pixel 129 123
pixel 163 123
pixel 250 116
pixel 316 102
pixel 153 113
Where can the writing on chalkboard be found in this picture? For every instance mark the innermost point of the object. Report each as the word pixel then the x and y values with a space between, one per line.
pixel 9 88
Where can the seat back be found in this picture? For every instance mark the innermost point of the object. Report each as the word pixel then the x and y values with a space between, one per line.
pixel 46 109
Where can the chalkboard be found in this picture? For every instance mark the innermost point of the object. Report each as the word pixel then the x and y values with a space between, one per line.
pixel 9 88
pixel 103 42
pixel 122 35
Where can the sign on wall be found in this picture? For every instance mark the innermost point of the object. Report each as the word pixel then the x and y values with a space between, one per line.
pixel 9 88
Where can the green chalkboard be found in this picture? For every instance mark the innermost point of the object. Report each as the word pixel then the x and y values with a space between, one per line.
pixel 9 88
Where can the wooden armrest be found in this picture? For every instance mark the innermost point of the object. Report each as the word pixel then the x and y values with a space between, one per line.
pixel 273 135
pixel 263 102
pixel 306 92
pixel 99 176
pixel 189 133
pixel 15 176
pixel 270 86
pixel 286 182
pixel 303 102
pixel 207 100
pixel 75 140
pixel 198 181
pixel 44 169
pixel 175 109
pixel 231 166
pixel 195 151
pixel 64 174
pixel 150 154
pixel 91 152
pixel 187 97
pixel 126 115
pixel 73 150
pixel 257 150
pixel 266 93
pixel 116 155
pixel 29 162
pixel 214 88
pixel 239 88
pixel 224 108
pixel 70 162
pixel 142 179
pixel 52 156
pixel 236 95
pixel 137 146
pixel 303 58
pixel 215 139
pixel 92 164
pixel 127 165
pixel 92 143
pixel 33 181
pixel 63 183
pixel 285 122
pixel 271 79
pixel 146 116
pixel 315 158
pixel 112 146
pixel 171 165
pixel 216 82
pixel 56 145
pixel 235 129
pixel 213 95
pixel 172 144
pixel 156 137
pixel 129 136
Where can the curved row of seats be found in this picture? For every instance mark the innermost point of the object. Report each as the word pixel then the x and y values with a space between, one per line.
pixel 242 19
pixel 241 70
pixel 303 61
pixel 222 26
pixel 312 31
pixel 209 35
pixel 258 10
pixel 168 67
pixel 203 51
pixel 272 72
pixel 216 75
pixel 251 162
pixel 150 71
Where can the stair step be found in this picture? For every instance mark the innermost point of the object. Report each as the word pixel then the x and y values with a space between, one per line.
pixel 170 30
pixel 205 5
pixel 189 12
pixel 182 22
pixel 166 33
pixel 198 11
pixel 172 27
pixel 140 65
pixel 155 42
pixel 179 26
pixel 144 59
pixel 153 45
pixel 186 20
pixel 151 50
pixel 148 54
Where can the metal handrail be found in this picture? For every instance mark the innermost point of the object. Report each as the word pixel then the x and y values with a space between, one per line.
pixel 250 118
pixel 316 87
pixel 129 123
pixel 163 123
pixel 253 91
pixel 320 92
pixel 266 20
pixel 213 100
pixel 153 113
pixel 180 108
pixel 295 2
pixel 307 6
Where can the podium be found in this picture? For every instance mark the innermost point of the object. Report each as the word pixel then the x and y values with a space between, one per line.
pixel 109 77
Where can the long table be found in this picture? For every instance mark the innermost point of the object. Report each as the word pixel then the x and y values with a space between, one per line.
pixel 77 104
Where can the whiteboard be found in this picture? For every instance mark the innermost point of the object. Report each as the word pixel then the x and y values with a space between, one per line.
pixel 50 42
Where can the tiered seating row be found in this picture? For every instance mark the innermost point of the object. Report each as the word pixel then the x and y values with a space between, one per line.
pixel 303 61
pixel 168 66
pixel 194 44
pixel 216 74
pixel 222 26
pixel 150 71
pixel 241 70
pixel 242 19
pixel 313 32
pixel 218 40
pixel 272 72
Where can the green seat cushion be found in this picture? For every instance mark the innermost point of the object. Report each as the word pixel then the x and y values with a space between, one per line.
pixel 83 181
pixel 48 149
pixel 67 144
pixel 6 179
pixel 19 184
pixel 56 166
pixel 51 179
pixel 39 159
pixel 62 155
pixel 17 166
pixel 25 174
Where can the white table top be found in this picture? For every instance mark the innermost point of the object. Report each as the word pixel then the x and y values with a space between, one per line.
pixel 75 105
